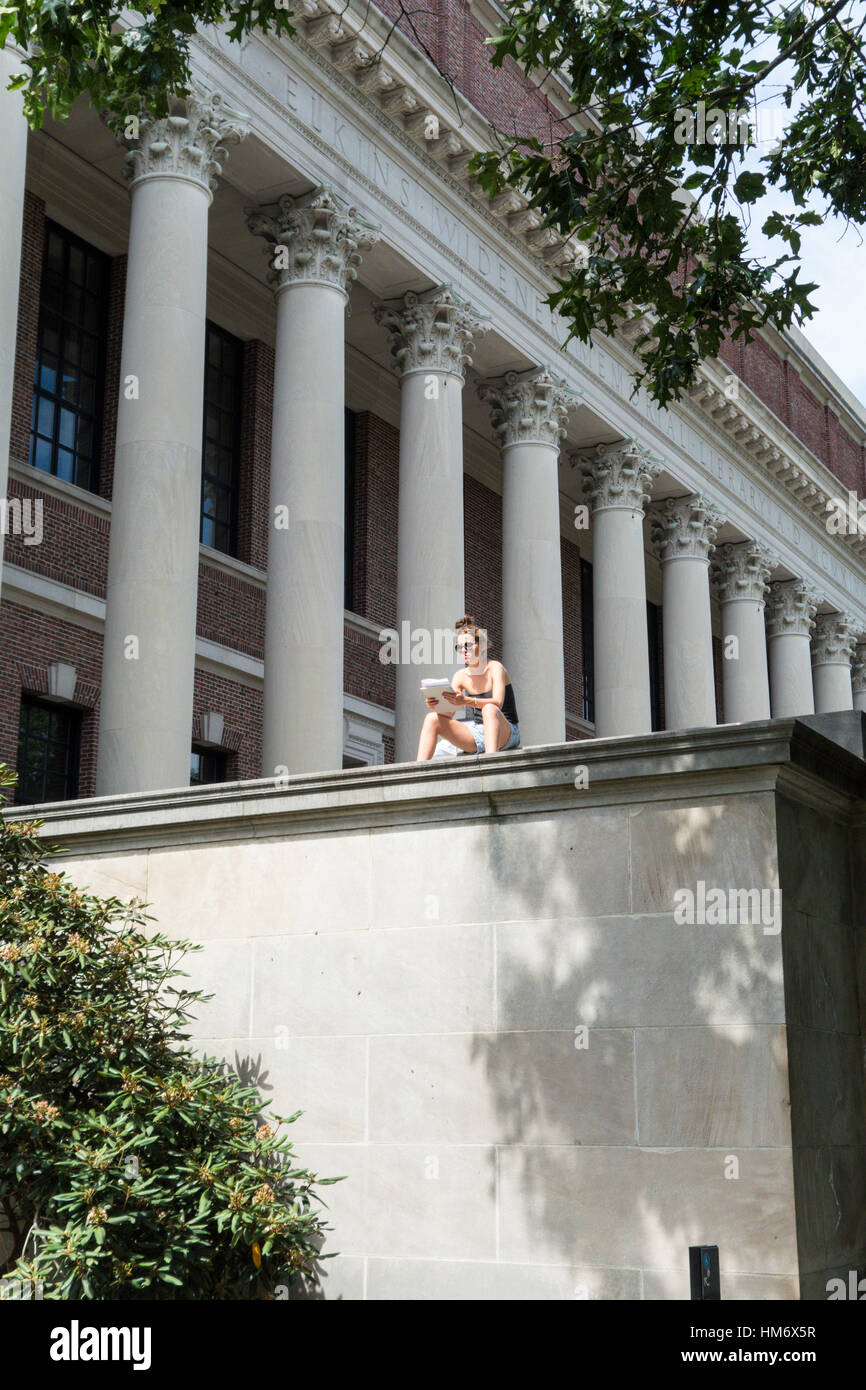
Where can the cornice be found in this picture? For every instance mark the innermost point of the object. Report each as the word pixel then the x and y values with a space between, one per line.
pixel 750 426
pixel 399 85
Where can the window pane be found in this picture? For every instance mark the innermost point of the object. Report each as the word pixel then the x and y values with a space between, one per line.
pixel 54 252
pixel 87 395
pixel 51 334
pixel 41 454
pixel 89 352
pixel 225 469
pixel 96 275
pixel 38 721
pixel 66 434
pixel 85 441
pixel 66 465
pixel 52 294
pixel 48 374
pixel 55 762
pixel 76 265
pixel 72 345
pixel 227 429
pixel 92 317
pixel 45 418
pixel 73 302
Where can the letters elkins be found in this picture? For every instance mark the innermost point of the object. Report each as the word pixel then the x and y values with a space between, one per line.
pixel 76 1343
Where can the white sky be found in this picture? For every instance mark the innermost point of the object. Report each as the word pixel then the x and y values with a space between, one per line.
pixel 835 257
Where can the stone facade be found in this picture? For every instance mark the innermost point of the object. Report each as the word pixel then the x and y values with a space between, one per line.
pixel 540 1079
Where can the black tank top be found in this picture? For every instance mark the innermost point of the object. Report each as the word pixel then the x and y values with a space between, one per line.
pixel 509 705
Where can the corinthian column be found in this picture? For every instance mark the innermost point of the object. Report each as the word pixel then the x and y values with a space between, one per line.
pixel 791 606
pixel 529 412
pixel 431 338
pixel 13 138
pixel 684 530
pixel 740 574
pixel 145 722
pixel 858 673
pixel 317 242
pixel 617 480
pixel 832 650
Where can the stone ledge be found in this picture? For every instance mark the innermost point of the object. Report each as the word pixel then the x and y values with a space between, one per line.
pixel 785 755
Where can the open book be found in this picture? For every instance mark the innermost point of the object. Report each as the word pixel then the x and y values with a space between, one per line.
pixel 435 688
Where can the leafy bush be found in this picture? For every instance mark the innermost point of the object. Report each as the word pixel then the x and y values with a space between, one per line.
pixel 129 1166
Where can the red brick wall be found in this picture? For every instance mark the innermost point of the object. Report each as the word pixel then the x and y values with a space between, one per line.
pixel 241 707
pixel 718 658
pixel 28 640
pixel 32 247
pixel 780 387
pixel 453 39
pixel 847 458
pixel 74 548
pixel 231 611
pixel 572 628
pixel 807 416
pixel 255 459
pixel 374 567
pixel 482 562
pixel 377 486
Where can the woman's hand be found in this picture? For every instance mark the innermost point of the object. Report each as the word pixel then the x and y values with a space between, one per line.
pixel 457 698
pixel 431 703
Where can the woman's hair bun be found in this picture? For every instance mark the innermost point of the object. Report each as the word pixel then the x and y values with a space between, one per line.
pixel 466 621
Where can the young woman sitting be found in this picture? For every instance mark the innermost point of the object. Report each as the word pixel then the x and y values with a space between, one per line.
pixel 484 689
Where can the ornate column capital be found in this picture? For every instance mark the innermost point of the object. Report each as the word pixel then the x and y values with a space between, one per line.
pixel 742 569
pixel 618 475
pixel 833 640
pixel 190 142
pixel 528 407
pixel 790 605
pixel 684 527
pixel 431 332
pixel 858 665
pixel 316 239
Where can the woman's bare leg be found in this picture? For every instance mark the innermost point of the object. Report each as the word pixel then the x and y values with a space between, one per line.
pixel 496 728
pixel 451 729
